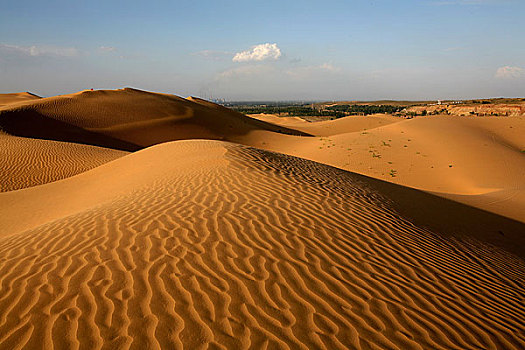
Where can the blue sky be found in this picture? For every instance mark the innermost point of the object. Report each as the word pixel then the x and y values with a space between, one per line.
pixel 297 50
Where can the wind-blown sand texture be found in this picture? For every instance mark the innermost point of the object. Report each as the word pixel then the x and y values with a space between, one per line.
pixel 30 162
pixel 479 161
pixel 213 244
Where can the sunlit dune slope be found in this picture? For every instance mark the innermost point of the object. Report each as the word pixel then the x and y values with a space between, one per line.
pixel 27 162
pixel 6 99
pixel 332 127
pixel 476 160
pixel 280 120
pixel 207 243
pixel 127 119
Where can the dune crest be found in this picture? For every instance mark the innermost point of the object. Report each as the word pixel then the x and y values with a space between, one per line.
pixel 478 161
pixel 128 119
pixel 30 162
pixel 7 99
pixel 206 243
pixel 234 247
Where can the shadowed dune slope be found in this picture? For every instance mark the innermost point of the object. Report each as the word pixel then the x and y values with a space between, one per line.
pixel 127 119
pixel 207 243
pixel 16 97
pixel 30 162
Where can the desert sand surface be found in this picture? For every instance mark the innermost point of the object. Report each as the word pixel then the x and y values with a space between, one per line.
pixel 127 119
pixel 331 127
pixel 30 162
pixel 6 99
pixel 224 231
pixel 474 160
pixel 209 243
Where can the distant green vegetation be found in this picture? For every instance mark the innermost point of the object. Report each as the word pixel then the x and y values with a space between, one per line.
pixel 337 111
pixel 365 109
pixel 287 110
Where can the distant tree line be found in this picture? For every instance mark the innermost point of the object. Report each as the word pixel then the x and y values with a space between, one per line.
pixel 337 111
pixel 288 110
pixel 365 109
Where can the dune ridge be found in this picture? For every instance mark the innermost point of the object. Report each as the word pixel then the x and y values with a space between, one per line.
pixel 31 162
pixel 6 99
pixel 331 127
pixel 478 161
pixel 127 119
pixel 233 247
pixel 241 244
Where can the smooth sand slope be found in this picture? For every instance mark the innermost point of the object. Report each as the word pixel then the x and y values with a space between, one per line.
pixel 30 162
pixel 475 160
pixel 6 99
pixel 127 119
pixel 331 127
pixel 207 243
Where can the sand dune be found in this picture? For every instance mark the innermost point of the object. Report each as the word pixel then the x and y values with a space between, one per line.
pixel 30 162
pixel 206 243
pixel 280 120
pixel 6 99
pixel 127 119
pixel 478 161
pixel 475 160
pixel 201 244
pixel 332 127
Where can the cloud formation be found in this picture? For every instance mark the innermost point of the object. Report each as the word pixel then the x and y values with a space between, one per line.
pixel 37 50
pixel 509 72
pixel 107 48
pixel 261 52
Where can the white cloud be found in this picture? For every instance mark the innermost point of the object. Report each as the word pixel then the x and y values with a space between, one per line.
pixel 508 72
pixel 37 50
pixel 107 48
pixel 260 52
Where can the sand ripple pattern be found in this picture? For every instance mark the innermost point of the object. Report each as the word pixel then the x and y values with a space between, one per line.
pixel 30 162
pixel 260 251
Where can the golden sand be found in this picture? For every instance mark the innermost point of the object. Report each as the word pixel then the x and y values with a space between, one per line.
pixel 224 244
